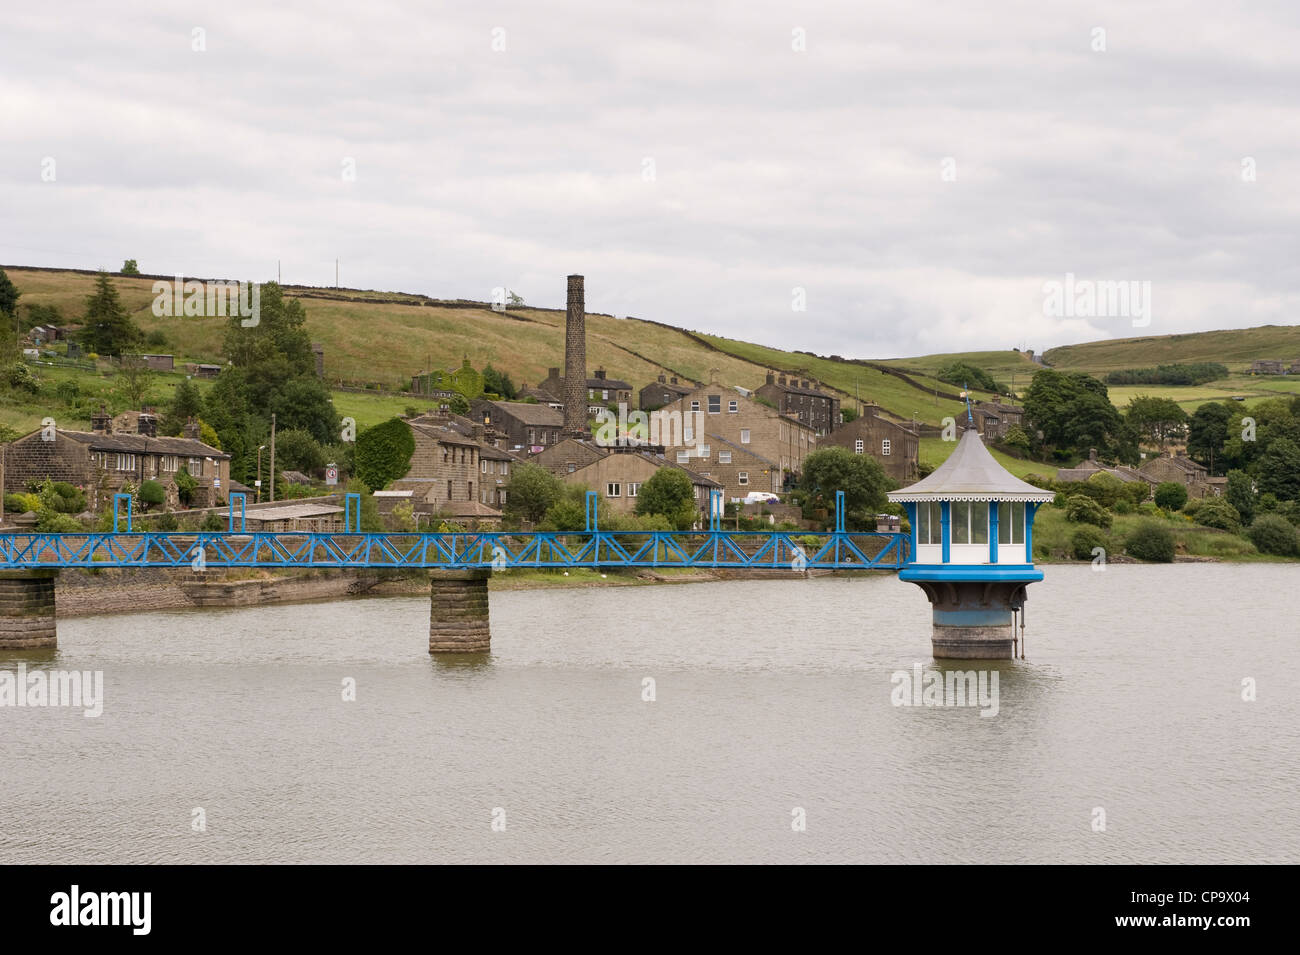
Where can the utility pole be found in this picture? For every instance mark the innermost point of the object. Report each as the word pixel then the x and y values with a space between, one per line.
pixel 336 273
pixel 272 455
pixel 277 272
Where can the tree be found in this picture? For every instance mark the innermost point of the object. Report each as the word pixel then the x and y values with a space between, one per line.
pixel 968 376
pixel 458 404
pixel 107 328
pixel 8 296
pixel 1170 496
pixel 1074 413
pixel 134 380
pixel 298 451
pixel 1156 419
pixel 1279 470
pixel 1240 493
pixel 384 453
pixel 186 403
pixel 498 383
pixel 185 485
pixel 531 493
pixel 1206 433
pixel 669 493
pixel 859 476
pixel 130 268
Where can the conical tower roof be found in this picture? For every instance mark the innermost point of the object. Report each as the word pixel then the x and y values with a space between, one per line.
pixel 971 474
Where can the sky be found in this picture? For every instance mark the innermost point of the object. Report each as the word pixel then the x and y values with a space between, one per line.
pixel 869 180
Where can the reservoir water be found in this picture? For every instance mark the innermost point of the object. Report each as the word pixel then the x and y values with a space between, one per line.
pixel 772 706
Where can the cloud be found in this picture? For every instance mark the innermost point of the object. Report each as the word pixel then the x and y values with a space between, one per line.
pixel 772 169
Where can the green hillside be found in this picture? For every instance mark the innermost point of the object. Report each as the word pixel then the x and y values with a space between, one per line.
pixel 378 340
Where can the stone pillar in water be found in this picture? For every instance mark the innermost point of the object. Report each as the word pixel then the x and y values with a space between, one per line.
pixel 458 611
pixel 27 610
pixel 973 621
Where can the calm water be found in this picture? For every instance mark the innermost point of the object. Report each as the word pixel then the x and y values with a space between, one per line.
pixel 770 696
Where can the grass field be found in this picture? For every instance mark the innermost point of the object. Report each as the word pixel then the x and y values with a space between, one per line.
pixel 934 451
pixel 1236 348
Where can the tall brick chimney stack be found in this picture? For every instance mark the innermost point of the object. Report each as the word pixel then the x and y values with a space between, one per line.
pixel 575 360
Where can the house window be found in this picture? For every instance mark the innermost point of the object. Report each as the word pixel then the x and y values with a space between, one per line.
pixel 724 457
pixel 744 436
pixel 505 468
pixel 683 457
pixel 612 490
pixel 446 454
pixel 125 462
pixel 742 477
pixel 702 451
pixel 859 446
pixel 695 406
pixel 715 404
pixel 170 462
pixel 632 489
pixel 195 467
pixel 884 446
pixel 482 466
pixel 688 434
pixel 532 436
pixel 604 394
pixel 1011 522
pixel 449 490
pixel 571 467
pixel 733 407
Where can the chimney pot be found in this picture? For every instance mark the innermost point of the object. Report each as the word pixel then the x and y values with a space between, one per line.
pixel 1092 455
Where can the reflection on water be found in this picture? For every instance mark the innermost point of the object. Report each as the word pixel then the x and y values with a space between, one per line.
pixel 770 696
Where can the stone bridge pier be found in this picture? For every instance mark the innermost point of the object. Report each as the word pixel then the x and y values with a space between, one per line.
pixel 27 610
pixel 458 611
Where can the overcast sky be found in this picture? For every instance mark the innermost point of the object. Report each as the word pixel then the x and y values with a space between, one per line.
pixel 689 158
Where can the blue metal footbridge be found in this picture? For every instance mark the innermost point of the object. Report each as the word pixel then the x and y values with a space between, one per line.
pixel 496 550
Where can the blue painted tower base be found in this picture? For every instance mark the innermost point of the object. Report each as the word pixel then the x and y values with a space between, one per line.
pixel 973 619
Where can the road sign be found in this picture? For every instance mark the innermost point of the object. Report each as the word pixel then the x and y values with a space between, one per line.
pixel 331 476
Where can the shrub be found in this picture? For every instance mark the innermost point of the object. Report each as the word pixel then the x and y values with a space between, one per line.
pixel 1084 540
pixel 53 522
pixel 1192 506
pixel 1080 509
pixel 212 521
pixel 1171 496
pixel 1273 534
pixel 67 391
pixel 166 522
pixel 1217 512
pixel 156 339
pixel 1152 542
pixel 1137 491
pixel 151 492
pixel 1123 506
pixel 1150 509
pixel 22 503
pixel 185 485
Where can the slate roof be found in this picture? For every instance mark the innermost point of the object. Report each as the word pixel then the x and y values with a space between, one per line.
pixel 534 414
pixel 971 474
pixel 143 444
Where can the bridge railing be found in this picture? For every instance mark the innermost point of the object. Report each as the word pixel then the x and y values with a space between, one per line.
pixel 499 550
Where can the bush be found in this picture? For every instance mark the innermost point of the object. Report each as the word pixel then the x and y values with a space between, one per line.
pixel 151 492
pixel 1217 512
pixel 1273 534
pixel 67 391
pixel 1192 506
pixel 62 497
pixel 156 339
pixel 20 378
pixel 1150 509
pixel 1171 496
pixel 22 503
pixel 185 485
pixel 166 522
pixel 1152 542
pixel 1137 491
pixel 212 521
pixel 52 522
pixel 1124 506
pixel 1080 509
pixel 1084 540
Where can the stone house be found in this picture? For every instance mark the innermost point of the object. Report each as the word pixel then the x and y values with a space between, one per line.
pixel 662 391
pixel 1087 469
pixel 618 473
pixel 602 391
pixel 895 446
pixel 570 455
pixel 102 461
pixel 993 419
pixel 1267 366
pixel 745 445
pixel 802 398
pixel 525 425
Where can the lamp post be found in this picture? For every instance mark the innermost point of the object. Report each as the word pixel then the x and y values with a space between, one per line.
pixel 258 482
